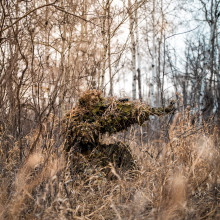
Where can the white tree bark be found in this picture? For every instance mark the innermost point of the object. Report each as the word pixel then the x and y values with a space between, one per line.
pixel 153 58
pixel 133 51
pixel 104 44
pixel 138 55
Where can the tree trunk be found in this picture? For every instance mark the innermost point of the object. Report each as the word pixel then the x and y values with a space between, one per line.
pixel 104 45
pixel 109 50
pixel 133 50
pixel 62 68
pixel 138 55
pixel 153 58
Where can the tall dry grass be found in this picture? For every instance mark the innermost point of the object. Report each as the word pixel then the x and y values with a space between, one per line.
pixel 177 177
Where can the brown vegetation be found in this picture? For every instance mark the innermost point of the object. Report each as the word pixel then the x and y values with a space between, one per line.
pixel 181 181
pixel 84 165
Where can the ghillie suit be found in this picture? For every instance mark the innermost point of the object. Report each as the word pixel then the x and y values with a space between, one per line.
pixel 95 115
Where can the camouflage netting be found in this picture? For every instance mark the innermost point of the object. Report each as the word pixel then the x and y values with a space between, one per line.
pixel 95 115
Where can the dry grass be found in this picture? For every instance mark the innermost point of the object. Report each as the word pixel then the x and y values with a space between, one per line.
pixel 175 179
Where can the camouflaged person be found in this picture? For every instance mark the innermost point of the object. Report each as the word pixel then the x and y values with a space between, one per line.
pixel 95 115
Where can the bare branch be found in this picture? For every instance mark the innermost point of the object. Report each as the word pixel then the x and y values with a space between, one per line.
pixel 77 16
pixel 25 15
pixel 182 32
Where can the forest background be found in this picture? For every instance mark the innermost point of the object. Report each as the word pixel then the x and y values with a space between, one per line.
pixel 147 50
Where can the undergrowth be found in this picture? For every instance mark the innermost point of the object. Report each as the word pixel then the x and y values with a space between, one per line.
pixel 176 176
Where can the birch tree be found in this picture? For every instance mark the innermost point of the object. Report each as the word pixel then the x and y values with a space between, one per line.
pixel 139 78
pixel 133 48
pixel 153 56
